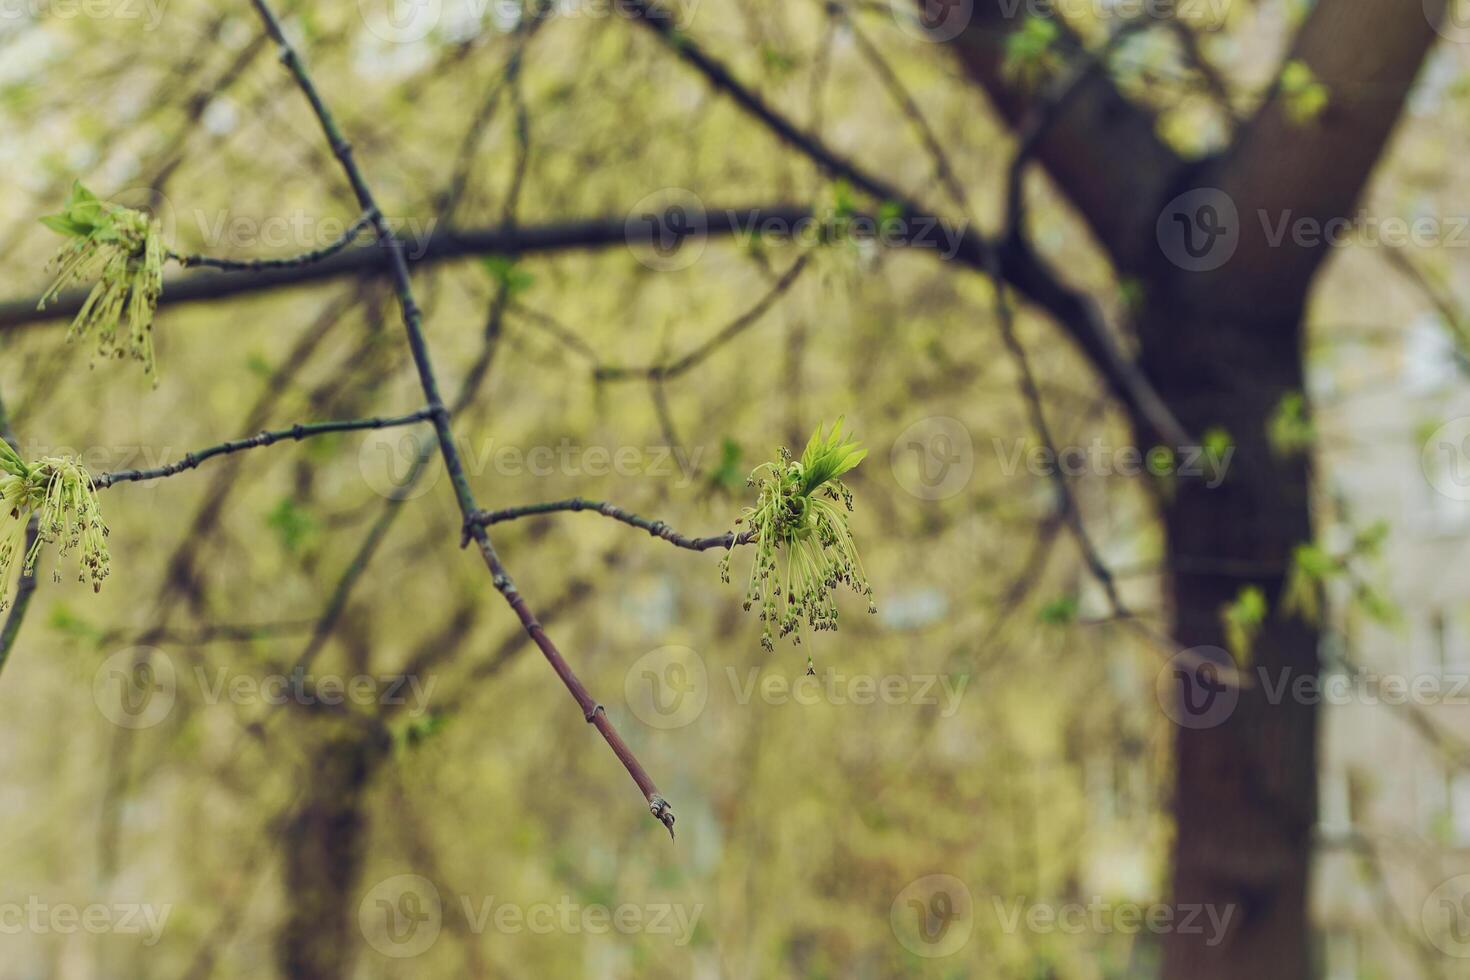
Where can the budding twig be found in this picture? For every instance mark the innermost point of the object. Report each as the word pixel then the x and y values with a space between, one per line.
pixel 294 262
pixel 27 587
pixel 658 529
pixel 412 322
pixel 295 432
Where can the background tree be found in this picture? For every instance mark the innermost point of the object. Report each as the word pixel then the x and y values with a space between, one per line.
pixel 1139 125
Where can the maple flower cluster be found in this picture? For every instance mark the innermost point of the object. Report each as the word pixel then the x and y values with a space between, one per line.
pixel 123 249
pixel 60 493
pixel 803 548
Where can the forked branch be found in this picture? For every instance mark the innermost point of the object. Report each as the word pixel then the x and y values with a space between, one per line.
pixel 412 322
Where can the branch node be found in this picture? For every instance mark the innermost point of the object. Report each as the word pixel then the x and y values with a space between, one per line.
pixel 662 812
pixel 591 715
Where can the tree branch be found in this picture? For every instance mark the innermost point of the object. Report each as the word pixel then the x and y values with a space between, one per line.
pixel 1367 53
pixel 441 246
pixel 296 432
pixel 1103 151
pixel 737 326
pixel 27 587
pixel 1073 311
pixel 657 529
pixel 261 265
pixel 398 267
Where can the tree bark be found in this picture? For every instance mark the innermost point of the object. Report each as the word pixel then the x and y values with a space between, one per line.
pixel 1245 779
pixel 322 850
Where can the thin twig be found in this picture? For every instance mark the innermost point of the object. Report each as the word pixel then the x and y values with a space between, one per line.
pixel 726 334
pixel 579 504
pixel 412 322
pixel 27 587
pixel 1073 311
pixel 296 432
pixel 294 262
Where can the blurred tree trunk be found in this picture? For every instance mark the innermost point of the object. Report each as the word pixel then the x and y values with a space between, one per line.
pixel 1245 779
pixel 1222 347
pixel 322 849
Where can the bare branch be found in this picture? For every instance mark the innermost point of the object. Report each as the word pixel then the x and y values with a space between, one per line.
pixel 730 331
pixel 398 268
pixel 27 587
pixel 295 432
pixel 657 529
pixel 260 265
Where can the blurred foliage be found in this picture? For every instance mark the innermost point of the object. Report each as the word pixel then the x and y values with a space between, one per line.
pixel 799 824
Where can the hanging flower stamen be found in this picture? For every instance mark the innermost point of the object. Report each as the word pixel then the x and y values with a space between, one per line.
pixel 804 550
pixel 59 492
pixel 123 249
